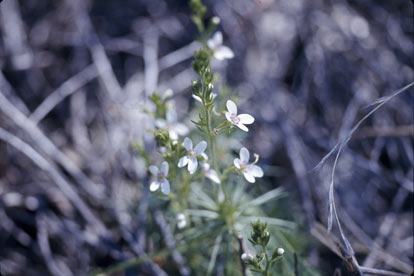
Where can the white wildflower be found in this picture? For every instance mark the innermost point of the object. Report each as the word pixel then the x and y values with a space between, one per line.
pixel 220 51
pixel 238 120
pixel 161 178
pixel 280 251
pixel 181 221
pixel 171 124
pixel 210 173
pixel 250 171
pixel 191 158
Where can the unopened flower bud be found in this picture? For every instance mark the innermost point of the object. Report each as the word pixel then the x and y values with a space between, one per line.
pixel 246 257
pixel 278 252
pixel 216 20
pixel 181 221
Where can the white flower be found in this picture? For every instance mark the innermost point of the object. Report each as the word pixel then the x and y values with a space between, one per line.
pixel 220 51
pixel 280 251
pixel 181 221
pixel 250 171
pixel 246 257
pixel 191 157
pixel 210 173
pixel 161 179
pixel 238 120
pixel 174 128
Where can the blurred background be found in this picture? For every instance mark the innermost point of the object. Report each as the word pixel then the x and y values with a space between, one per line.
pixel 75 75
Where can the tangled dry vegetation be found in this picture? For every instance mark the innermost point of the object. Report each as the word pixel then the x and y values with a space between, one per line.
pixel 75 74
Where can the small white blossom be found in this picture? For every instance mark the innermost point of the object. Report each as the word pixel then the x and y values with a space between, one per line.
pixel 280 251
pixel 246 257
pixel 250 171
pixel 181 221
pixel 220 51
pixel 191 158
pixel 171 124
pixel 210 173
pixel 161 178
pixel 238 120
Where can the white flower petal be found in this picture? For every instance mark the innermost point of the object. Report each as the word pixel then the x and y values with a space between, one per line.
pixel 171 116
pixel 173 134
pixel 246 119
pixel 218 38
pixel 165 187
pixel 242 127
pixel 249 177
pixel 183 161
pixel 200 148
pixel 181 224
pixel 237 163
pixel 154 186
pixel 256 171
pixel 215 41
pixel 188 144
pixel 204 155
pixel 180 216
pixel 164 168
pixel 211 44
pixel 228 116
pixel 223 52
pixel 192 165
pixel 153 170
pixel 244 155
pixel 231 107
pixel 181 129
pixel 206 166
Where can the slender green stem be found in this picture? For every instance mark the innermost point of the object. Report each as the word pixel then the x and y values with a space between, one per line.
pixel 212 147
pixel 211 137
pixel 266 271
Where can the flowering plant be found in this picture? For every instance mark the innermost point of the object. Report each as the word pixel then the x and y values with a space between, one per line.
pixel 204 186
